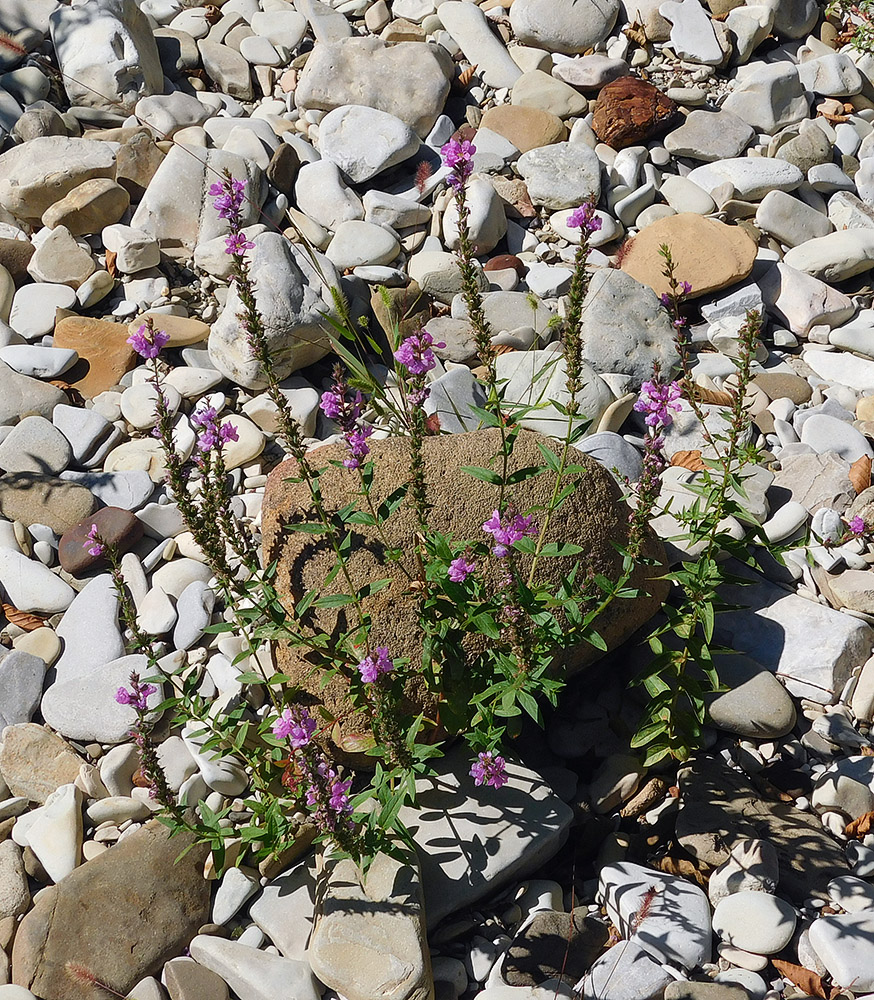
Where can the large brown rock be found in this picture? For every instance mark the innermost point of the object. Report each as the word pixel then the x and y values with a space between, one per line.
pixel 122 916
pixel 709 254
pixel 594 516
pixel 630 111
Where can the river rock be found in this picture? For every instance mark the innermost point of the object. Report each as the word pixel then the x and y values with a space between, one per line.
pixel 450 453
pixel 369 936
pixel 34 762
pixel 33 498
pixel 709 254
pixel 758 922
pixel 107 53
pixel 68 921
pixel 710 136
pixel 561 175
pixel 563 25
pixel 30 586
pixel 845 946
pixel 836 256
pixel 21 680
pixel 630 111
pixel 365 71
pixel 293 300
pixel 769 98
pixel 364 141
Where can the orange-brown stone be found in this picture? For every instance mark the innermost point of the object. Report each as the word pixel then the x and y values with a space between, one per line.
pixel 104 354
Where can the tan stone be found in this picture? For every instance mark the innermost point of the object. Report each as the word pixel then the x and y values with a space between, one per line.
pixel 89 207
pixel 35 762
pixel 594 517
pixel 33 498
pixel 60 260
pixel 182 330
pixel 369 937
pixel 709 254
pixel 865 408
pixel 136 163
pixel 104 354
pixel 122 915
pixel 526 128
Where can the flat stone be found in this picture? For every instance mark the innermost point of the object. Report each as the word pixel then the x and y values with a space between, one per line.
pixel 34 762
pixel 836 256
pixel 89 630
pixel 826 433
pixel 14 890
pixel 33 498
pixel 750 177
pixel 769 98
pixel 752 866
pixel 369 937
pixel 710 136
pixel 60 260
pixel 104 354
pixel 677 927
pixel 845 946
pixel 469 27
pixel 563 26
pixel 37 173
pixel 284 910
pixel 801 301
pixel 719 807
pixel 756 705
pixel 537 89
pixel 834 75
pixel 628 972
pixel 35 305
pixel 128 489
pixel 187 980
pixel 38 362
pixel 789 220
pixel 89 207
pixel 526 128
pixel 227 68
pixel 692 34
pixel 708 253
pixel 845 787
pixel 35 445
pixel 115 526
pixel 361 243
pixel 363 70
pixel 540 949
pixel 254 974
pixel 30 586
pixel 755 921
pixel 21 678
pixel 57 930
pixel 561 175
pixel 590 72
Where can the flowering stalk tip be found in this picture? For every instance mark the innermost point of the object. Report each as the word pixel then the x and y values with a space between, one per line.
pixel 489 769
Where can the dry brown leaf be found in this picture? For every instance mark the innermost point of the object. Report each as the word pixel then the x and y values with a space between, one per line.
pixel 503 349
pixel 465 76
pixel 23 619
pixel 803 978
pixel 689 460
pixel 861 826
pixel 110 263
pixel 683 867
pixel 637 33
pixel 860 473
pixel 711 396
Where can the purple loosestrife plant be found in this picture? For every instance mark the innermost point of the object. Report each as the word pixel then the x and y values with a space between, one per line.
pixel 337 405
pixel 489 769
pixel 460 569
pixel 375 664
pixel 508 530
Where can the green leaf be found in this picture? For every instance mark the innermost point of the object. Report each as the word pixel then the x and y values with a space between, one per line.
pixel 334 601
pixel 486 475
pixel 307 528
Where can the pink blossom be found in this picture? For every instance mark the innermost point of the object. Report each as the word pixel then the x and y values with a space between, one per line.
pixel 656 399
pixel 458 156
pixel 375 663
pixel 489 769
pixel 93 544
pixel 857 525
pixel 296 725
pixel 236 244
pixel 415 353
pixel 148 342
pixel 584 218
pixel 506 532
pixel 460 569
pixel 137 697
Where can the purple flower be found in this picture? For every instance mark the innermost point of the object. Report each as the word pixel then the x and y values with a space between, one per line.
pixel 339 800
pixel 584 218
pixel 489 769
pixel 138 695
pixel 212 434
pixel 415 353
pixel 236 245
pixel 356 442
pixel 460 569
pixel 506 532
pixel 656 399
pixel 857 525
pixel 296 725
pixel 375 663
pixel 93 544
pixel 458 156
pixel 147 342
pixel 332 405
pixel 229 197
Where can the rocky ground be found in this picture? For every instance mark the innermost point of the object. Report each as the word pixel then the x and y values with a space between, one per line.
pixel 743 136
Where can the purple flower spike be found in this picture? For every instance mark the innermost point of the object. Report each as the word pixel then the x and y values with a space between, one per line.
pixel 415 353
pixel 237 244
pixel 489 769
pixel 147 342
pixel 458 156
pixel 506 532
pixel 857 525
pixel 656 399
pixel 585 219
pixel 296 725
pixel 375 663
pixel 93 544
pixel 460 569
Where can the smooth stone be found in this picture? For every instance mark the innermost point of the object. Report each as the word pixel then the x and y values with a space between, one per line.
pixel 769 98
pixel 254 974
pixel 128 489
pixel 537 89
pixel 194 609
pixel 692 33
pixel 469 27
pixel 561 175
pixel 364 141
pixel 752 866
pixel 54 832
pixel 14 890
pixel 32 587
pixel 756 705
pixel 221 774
pixel 755 921
pixel 826 433
pixel 38 362
pixel 789 220
pixel 156 614
pixel 89 207
pixel 21 679
pixel 284 910
pixel 710 136
pixel 851 894
pixel 802 302
pixel 845 946
pixel 236 886
pixel 628 972
pixel 35 445
pixel 89 630
pixel 452 399
pixel 845 787
pixel 84 707
pixel 357 243
pixel 526 128
pixel 35 762
pixel 562 25
pixel 836 256
pixel 834 75
pixel 751 177
pixel 486 221
pixel 34 307
pixel 186 979
pixel 677 926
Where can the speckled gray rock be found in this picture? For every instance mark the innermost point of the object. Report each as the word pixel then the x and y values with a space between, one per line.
pixel 562 175
pixel 21 681
pixel 365 141
pixel 35 445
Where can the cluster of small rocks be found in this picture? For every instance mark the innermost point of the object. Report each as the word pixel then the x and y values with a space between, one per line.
pixel 738 134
